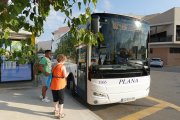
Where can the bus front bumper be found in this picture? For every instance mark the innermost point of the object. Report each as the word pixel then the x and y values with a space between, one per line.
pixel 96 98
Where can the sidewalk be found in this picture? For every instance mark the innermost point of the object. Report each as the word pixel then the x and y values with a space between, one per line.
pixel 23 103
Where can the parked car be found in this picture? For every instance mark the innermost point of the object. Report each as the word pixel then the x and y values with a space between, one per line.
pixel 156 62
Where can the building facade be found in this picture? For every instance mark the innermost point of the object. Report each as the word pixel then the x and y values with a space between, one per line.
pixel 44 45
pixel 165 36
pixel 57 37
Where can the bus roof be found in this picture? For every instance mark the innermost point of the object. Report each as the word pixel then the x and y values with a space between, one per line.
pixel 120 15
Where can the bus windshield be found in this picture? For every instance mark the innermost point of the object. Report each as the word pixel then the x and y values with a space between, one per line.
pixel 124 44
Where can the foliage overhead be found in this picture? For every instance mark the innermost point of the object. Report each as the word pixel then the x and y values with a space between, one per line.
pixel 30 15
pixel 24 55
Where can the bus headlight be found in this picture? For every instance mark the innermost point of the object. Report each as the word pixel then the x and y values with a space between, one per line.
pixel 99 94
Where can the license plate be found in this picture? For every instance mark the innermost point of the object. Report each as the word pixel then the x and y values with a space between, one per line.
pixel 127 99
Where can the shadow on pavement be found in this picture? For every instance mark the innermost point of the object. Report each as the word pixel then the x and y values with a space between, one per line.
pixel 5 106
pixel 30 96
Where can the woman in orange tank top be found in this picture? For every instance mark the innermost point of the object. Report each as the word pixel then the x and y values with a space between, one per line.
pixel 58 85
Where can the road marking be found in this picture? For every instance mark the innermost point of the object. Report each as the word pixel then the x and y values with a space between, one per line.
pixel 164 102
pixel 146 112
pixel 151 110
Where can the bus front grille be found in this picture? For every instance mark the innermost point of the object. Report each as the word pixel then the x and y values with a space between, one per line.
pixel 102 75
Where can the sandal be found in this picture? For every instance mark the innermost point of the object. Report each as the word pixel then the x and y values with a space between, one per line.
pixel 62 115
pixel 56 112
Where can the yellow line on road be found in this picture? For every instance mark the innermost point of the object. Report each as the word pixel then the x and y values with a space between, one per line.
pixel 164 102
pixel 146 112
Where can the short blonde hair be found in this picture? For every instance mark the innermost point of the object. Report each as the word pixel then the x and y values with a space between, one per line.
pixel 61 58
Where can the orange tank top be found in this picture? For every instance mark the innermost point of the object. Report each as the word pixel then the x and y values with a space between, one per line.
pixel 58 80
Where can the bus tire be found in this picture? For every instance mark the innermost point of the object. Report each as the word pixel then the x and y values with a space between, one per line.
pixel 71 84
pixel 73 89
pixel 70 79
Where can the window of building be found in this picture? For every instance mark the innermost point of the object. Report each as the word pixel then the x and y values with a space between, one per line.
pixel 174 50
pixel 160 34
pixel 151 50
pixel 177 32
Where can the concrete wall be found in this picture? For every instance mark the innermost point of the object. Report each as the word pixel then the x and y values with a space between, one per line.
pixel 160 53
pixel 165 17
pixel 177 16
pixel 170 29
pixel 177 20
pixel 173 59
pixel 170 59
pixel 55 45
pixel 57 36
pixel 45 45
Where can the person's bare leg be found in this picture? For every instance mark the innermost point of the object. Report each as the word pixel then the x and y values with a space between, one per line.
pixel 61 108
pixel 56 108
pixel 61 114
pixel 44 89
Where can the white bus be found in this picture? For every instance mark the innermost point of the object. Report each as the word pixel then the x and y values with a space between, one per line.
pixel 117 69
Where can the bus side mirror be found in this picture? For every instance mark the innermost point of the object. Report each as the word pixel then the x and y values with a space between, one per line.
pixel 95 24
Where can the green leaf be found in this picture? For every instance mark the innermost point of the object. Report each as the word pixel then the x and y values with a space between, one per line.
pixel 69 25
pixel 88 11
pixel 81 18
pixel 28 41
pixel 34 10
pixel 70 12
pixel 56 8
pixel 64 20
pixel 7 42
pixel 40 21
pixel 25 12
pixel 6 34
pixel 84 19
pixel 94 3
pixel 31 16
pixel 79 5
pixel 100 36
pixel 85 1
pixel 67 13
pixel 26 26
pixel 2 41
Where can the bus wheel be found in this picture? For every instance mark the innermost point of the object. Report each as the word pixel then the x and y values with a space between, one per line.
pixel 71 84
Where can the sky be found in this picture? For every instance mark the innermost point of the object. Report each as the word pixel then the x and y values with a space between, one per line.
pixel 137 7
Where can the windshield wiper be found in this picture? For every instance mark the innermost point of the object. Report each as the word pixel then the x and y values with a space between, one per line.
pixel 135 62
pixel 139 63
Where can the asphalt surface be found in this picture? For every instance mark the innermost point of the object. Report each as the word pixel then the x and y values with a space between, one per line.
pixel 22 102
pixel 164 98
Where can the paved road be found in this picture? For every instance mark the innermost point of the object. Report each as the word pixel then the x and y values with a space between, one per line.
pixel 163 103
pixel 24 104
pixel 165 84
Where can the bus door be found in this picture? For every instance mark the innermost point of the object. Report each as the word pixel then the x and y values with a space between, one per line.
pixel 82 71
